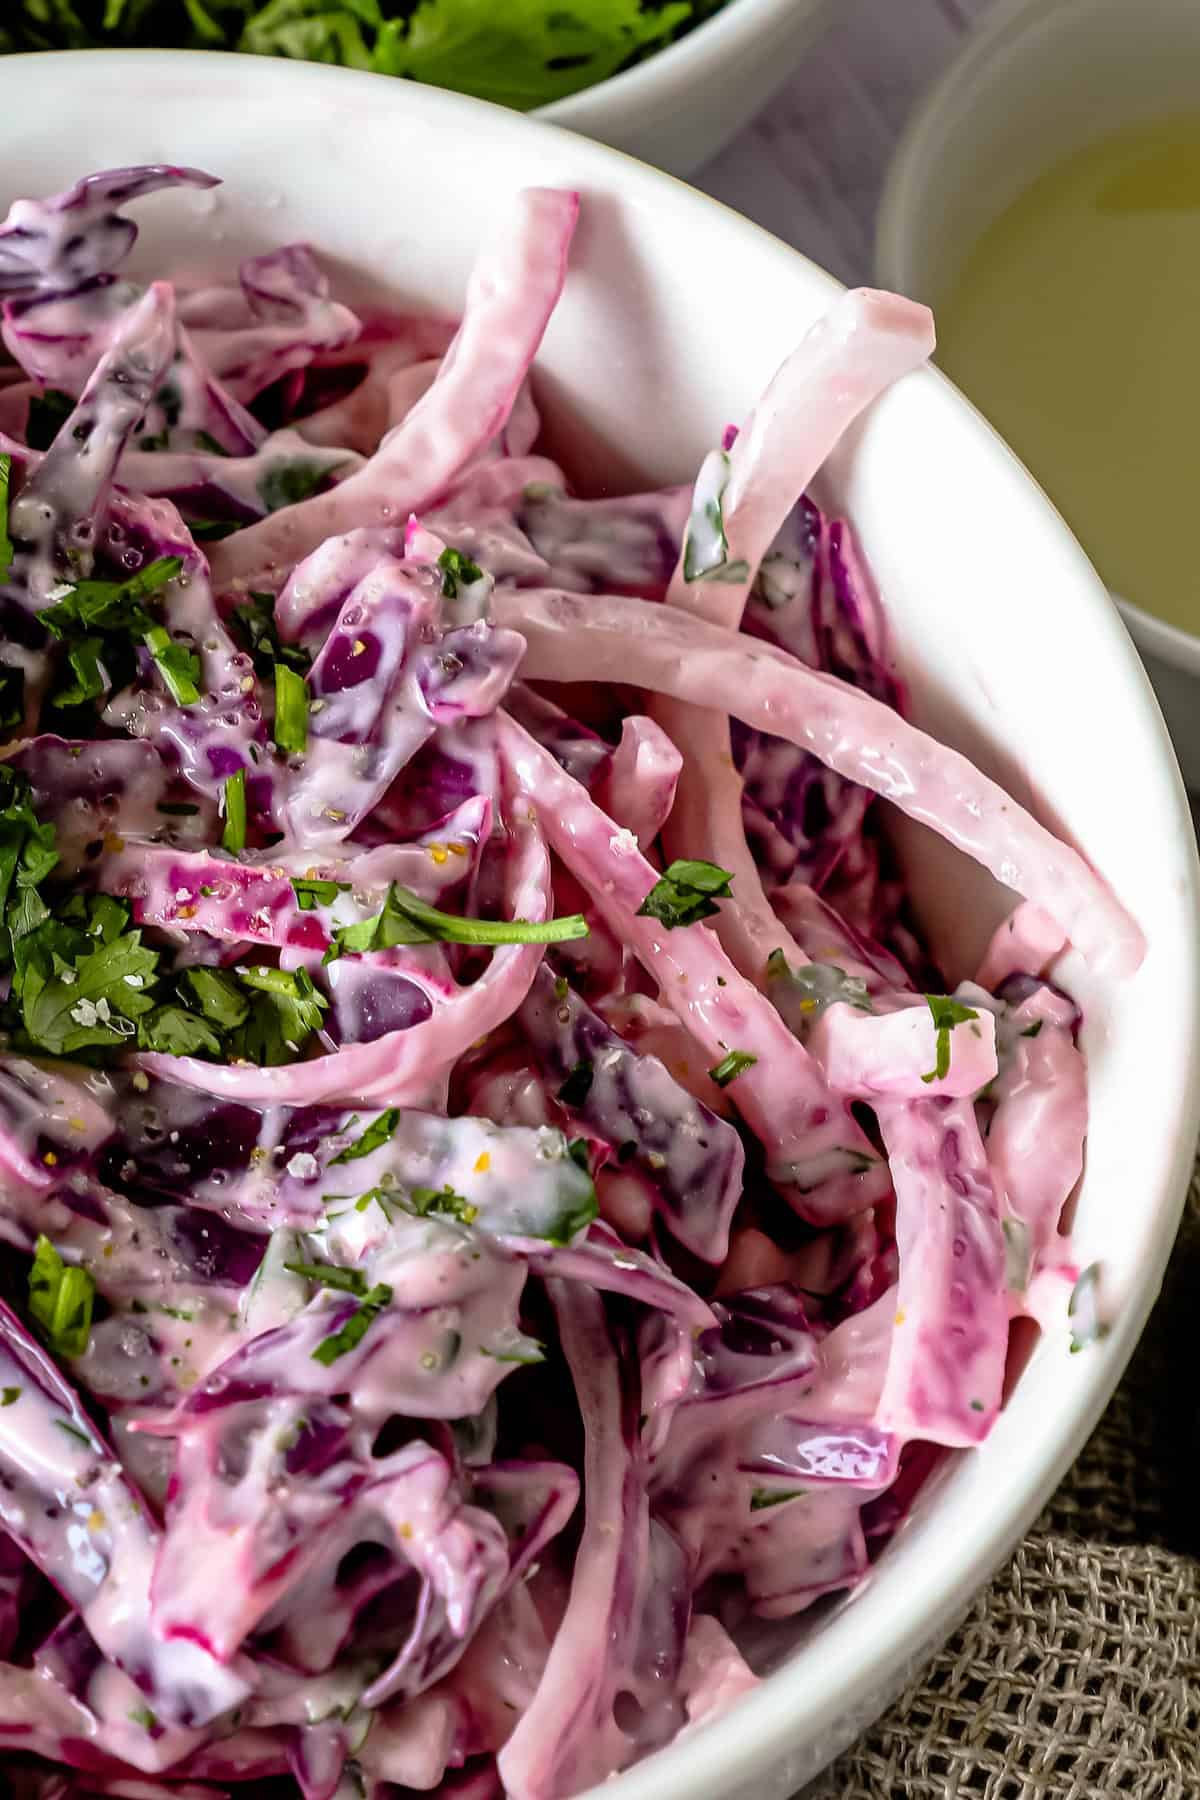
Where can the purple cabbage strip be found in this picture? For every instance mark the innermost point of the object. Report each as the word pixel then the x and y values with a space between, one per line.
pixel 69 239
pixel 692 1160
pixel 69 1505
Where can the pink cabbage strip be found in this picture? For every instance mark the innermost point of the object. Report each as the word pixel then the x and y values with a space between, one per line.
pixel 511 295
pixel 945 1372
pixel 567 1736
pixel 894 1053
pixel 811 1138
pixel 572 637
pixel 865 342
pixel 858 348
pixel 638 788
pixel 400 1067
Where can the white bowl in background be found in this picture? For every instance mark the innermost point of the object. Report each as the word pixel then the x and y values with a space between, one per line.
pixel 1033 83
pixel 682 105
pixel 657 345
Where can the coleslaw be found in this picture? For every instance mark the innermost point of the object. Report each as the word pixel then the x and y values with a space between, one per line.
pixel 498 1196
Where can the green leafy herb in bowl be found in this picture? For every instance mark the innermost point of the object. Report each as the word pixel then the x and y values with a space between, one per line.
pixel 521 53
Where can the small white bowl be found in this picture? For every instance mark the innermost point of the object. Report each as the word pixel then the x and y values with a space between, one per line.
pixel 676 312
pixel 1033 83
pixel 682 105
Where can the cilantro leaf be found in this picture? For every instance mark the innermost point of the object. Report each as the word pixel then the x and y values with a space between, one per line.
pixel 254 623
pixel 731 1066
pixel 525 53
pixel 290 482
pixel 350 1281
pixel 215 995
pixel 685 893
pixel 12 696
pixel 291 710
pixel 356 1326
pixel 407 919
pixel 84 1001
pixel 457 569
pixel 286 1011
pixel 233 796
pixel 174 1031
pixel 313 893
pixel 378 1132
pixel 100 622
pixel 60 1300
pixel 761 1499
pixel 444 1200
pixel 947 1013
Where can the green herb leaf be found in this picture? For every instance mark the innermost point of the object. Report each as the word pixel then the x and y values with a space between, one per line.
pixel 60 1301
pixel 216 995
pixel 1031 1031
pixel 457 570
pixel 310 894
pixel 74 999
pixel 9 1396
pixel 179 667
pixel 947 1014
pixel 445 1201
pixel 686 892
pixel 407 919
pixel 762 1498
pixel 578 1085
pixel 254 623
pixel 291 710
pixel 233 836
pixel 350 1281
pixel 290 482
pixel 174 1031
pixel 378 1132
pixel 731 1066
pixel 278 1025
pixel 356 1327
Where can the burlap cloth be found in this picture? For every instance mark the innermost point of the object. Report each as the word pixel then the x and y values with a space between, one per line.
pixel 1077 1673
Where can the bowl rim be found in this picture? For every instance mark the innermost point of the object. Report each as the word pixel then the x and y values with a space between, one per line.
pixel 674 65
pixel 760 1730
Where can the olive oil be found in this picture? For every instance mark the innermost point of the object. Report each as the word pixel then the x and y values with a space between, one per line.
pixel 1074 326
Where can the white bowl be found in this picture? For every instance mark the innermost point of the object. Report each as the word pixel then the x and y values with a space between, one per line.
pixel 1032 84
pixel 675 314
pixel 679 107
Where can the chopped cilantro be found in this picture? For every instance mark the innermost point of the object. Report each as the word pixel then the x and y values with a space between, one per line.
pixel 355 1329
pixel 1031 1031
pixel 762 1498
pixel 350 1281
pixel 233 836
pixel 457 568
pixel 685 892
pixel 731 1066
pixel 445 1201
pixel 254 622
pixel 310 894
pixel 290 482
pixel 407 919
pixel 378 1132
pixel 947 1013
pixel 285 1013
pixel 60 1300
pixel 291 710
pixel 9 1396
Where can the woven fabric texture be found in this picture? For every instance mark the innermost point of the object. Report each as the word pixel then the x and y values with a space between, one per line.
pixel 1077 1674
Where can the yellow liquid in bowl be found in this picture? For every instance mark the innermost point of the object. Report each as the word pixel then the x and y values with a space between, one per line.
pixel 1074 326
